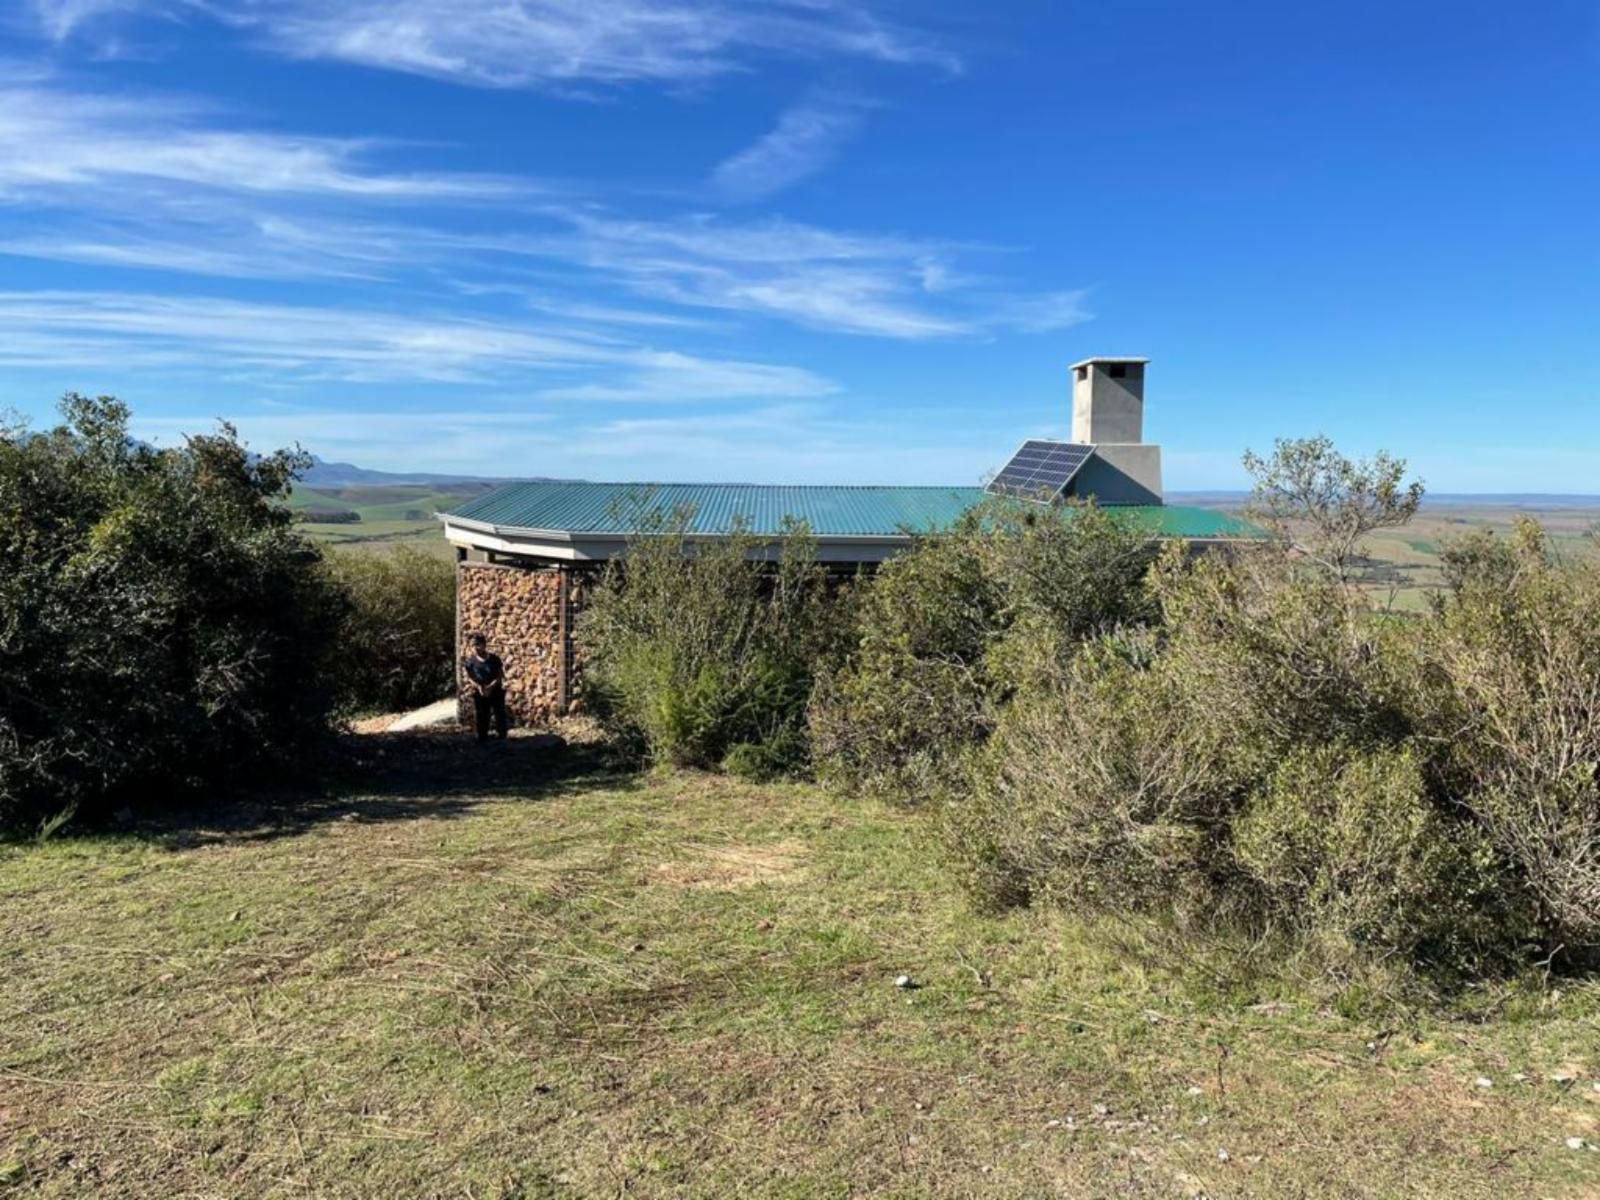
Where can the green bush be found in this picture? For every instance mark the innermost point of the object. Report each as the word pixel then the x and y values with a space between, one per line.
pixel 1075 572
pixel 1285 657
pixel 1507 687
pixel 1239 742
pixel 162 625
pixel 1351 852
pixel 397 641
pixel 1250 762
pixel 915 690
pixel 694 650
pixel 1102 787
pixel 947 631
pixel 780 754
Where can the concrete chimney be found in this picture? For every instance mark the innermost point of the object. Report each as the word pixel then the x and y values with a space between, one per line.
pixel 1108 414
pixel 1108 401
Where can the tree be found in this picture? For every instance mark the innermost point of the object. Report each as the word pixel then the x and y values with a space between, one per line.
pixel 1325 504
pixel 163 626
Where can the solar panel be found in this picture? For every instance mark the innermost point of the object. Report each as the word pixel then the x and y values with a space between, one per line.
pixel 1040 470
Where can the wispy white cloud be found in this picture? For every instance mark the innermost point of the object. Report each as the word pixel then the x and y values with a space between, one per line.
pixel 607 314
pixel 853 283
pixel 874 301
pixel 54 137
pixel 166 185
pixel 805 140
pixel 879 286
pixel 58 19
pixel 305 342
pixel 546 312
pixel 1041 313
pixel 284 426
pixel 775 241
pixel 773 443
pixel 564 44
pixel 220 244
pixel 60 328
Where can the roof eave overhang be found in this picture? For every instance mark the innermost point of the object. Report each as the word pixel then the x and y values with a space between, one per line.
pixel 615 536
pixel 571 545
pixel 598 546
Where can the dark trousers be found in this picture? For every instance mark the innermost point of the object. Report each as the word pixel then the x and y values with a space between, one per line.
pixel 483 706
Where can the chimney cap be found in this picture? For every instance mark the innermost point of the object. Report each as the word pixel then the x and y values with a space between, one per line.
pixel 1105 358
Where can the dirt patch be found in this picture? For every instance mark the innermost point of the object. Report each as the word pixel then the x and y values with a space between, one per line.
pixel 726 868
pixel 575 730
pixel 375 724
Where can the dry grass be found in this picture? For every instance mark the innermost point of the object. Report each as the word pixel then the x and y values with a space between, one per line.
pixel 726 867
pixel 509 972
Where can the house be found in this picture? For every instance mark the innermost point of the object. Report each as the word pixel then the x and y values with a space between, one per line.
pixel 526 551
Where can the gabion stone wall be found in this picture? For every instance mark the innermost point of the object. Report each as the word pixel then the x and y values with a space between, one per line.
pixel 523 614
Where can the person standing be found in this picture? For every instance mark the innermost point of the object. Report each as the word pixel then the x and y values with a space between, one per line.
pixel 486 675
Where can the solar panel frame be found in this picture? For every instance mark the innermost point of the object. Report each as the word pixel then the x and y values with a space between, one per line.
pixel 1040 470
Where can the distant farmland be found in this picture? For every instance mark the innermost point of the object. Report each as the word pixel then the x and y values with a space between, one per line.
pixel 1406 564
pixel 1408 561
pixel 389 515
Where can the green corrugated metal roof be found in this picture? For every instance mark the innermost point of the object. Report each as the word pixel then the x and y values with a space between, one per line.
pixel 617 508
pixel 830 511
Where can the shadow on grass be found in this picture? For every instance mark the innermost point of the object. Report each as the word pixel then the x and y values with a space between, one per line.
pixel 371 778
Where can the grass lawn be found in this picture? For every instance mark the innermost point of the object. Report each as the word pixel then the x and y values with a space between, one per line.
pixel 512 972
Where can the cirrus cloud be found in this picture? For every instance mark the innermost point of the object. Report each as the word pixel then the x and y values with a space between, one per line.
pixel 561 44
pixel 804 141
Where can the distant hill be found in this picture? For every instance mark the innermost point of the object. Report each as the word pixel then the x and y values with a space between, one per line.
pixel 324 474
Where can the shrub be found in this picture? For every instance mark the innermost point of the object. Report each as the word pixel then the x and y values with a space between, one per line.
pixel 1352 853
pixel 696 649
pixel 397 641
pixel 1285 657
pixel 915 689
pixel 1246 766
pixel 162 624
pixel 1508 690
pixel 1101 787
pixel 1073 572
pixel 947 631
pixel 1241 743
pixel 1265 760
pixel 780 754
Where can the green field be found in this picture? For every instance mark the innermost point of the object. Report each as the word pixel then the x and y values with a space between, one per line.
pixel 1406 562
pixel 390 515
pixel 522 973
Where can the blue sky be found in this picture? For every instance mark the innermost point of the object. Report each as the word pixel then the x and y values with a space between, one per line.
pixel 809 240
